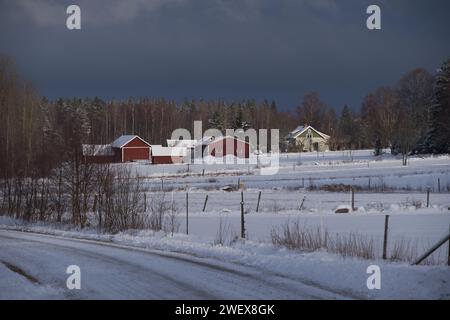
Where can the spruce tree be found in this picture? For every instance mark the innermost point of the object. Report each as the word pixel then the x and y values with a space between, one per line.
pixel 216 121
pixel 346 127
pixel 438 137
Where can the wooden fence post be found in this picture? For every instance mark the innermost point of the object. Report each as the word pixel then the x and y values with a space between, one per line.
pixel 428 197
pixel 448 260
pixel 259 199
pixel 301 205
pixel 385 239
pixel 187 213
pixel 439 185
pixel 353 199
pixel 204 205
pixel 145 202
pixel 100 208
pixel 242 216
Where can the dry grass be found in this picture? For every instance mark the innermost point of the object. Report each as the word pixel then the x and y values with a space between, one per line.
pixel 225 235
pixel 295 236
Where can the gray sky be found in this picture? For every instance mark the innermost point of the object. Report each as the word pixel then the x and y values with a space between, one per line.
pixel 274 49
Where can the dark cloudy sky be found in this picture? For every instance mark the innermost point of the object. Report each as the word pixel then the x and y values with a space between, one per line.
pixel 275 49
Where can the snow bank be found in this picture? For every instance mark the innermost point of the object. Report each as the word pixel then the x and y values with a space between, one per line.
pixel 398 280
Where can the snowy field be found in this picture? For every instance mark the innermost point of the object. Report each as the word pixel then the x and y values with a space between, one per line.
pixel 295 171
pixel 306 189
pixel 296 193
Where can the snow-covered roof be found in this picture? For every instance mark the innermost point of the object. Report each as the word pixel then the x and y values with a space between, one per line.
pixel 181 143
pixel 123 140
pixel 158 150
pixel 209 139
pixel 297 130
pixel 300 129
pixel 97 150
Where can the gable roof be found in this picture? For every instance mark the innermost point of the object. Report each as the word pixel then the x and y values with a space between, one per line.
pixel 301 129
pixel 123 140
pixel 209 139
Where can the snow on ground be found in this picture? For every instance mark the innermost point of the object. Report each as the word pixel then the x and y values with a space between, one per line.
pixel 287 196
pixel 388 187
pixel 319 269
pixel 18 287
pixel 307 170
pixel 410 220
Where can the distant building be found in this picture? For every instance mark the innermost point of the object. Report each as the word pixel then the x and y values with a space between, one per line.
pixel 306 139
pixel 126 148
pixel 131 148
pixel 224 146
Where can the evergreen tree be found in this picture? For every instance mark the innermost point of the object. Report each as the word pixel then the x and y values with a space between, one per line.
pixel 378 150
pixel 346 127
pixel 216 121
pixel 239 122
pixel 438 137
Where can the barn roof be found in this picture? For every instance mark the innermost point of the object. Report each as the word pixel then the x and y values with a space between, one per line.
pixel 123 140
pixel 160 151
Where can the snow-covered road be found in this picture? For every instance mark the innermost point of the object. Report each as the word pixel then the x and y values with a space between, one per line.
pixel 33 266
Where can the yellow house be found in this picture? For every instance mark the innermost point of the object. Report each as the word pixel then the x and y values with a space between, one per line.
pixel 306 138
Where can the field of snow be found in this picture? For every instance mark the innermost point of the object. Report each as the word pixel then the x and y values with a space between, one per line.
pixel 307 188
pixel 295 193
pixel 310 170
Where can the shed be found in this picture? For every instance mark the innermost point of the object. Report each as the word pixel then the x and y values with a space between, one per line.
pixel 131 148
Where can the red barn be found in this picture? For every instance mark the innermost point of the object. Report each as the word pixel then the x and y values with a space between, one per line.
pixel 131 148
pixel 223 146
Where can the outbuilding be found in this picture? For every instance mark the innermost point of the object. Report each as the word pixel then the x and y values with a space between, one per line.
pixel 224 146
pixel 306 139
pixel 131 148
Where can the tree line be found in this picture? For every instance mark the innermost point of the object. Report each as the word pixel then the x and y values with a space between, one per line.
pixel 42 172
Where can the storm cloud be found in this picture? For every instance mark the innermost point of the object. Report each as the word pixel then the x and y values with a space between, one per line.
pixel 274 49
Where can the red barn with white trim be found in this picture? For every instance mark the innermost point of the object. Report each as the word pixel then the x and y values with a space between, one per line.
pixel 131 148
